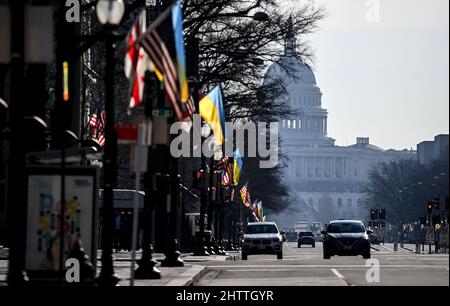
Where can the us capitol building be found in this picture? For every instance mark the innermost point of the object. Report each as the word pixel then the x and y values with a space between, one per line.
pixel 325 180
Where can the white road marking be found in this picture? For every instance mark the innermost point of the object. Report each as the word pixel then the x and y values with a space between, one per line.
pixel 336 272
pixel 388 248
pixel 261 267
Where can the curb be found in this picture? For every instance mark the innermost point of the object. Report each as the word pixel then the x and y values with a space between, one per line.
pixel 375 248
pixel 233 257
pixel 408 249
pixel 189 277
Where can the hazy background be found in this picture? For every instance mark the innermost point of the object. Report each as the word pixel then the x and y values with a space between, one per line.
pixel 386 80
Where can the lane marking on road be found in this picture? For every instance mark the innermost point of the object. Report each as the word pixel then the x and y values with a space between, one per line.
pixel 388 248
pixel 324 266
pixel 336 272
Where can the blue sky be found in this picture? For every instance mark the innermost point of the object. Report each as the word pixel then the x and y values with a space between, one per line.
pixel 386 80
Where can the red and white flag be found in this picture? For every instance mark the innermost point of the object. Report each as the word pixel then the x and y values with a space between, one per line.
pixel 97 124
pixel 136 61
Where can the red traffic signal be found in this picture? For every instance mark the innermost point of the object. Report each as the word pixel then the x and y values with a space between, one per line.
pixel 429 206
pixel 382 214
pixel 198 178
pixel 374 214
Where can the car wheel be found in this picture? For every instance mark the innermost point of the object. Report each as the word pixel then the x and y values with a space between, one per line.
pixel 280 255
pixel 244 256
pixel 366 255
pixel 299 245
pixel 313 245
pixel 326 256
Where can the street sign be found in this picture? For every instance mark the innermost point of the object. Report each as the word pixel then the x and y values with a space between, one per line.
pixel 163 112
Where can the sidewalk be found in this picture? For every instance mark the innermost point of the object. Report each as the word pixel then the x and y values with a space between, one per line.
pixel 194 268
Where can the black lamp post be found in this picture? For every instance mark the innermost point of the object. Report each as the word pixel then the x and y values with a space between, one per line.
pixel 109 13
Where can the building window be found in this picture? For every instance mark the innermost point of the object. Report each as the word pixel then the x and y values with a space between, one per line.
pixel 339 166
pixel 339 203
pixel 299 124
pixel 349 203
pixel 298 166
pixel 318 167
pixel 294 123
pixel 310 165
pixel 327 166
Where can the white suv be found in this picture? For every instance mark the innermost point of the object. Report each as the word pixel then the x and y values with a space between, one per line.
pixel 262 238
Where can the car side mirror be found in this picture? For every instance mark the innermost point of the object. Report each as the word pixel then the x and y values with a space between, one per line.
pixel 283 233
pixel 369 232
pixel 323 232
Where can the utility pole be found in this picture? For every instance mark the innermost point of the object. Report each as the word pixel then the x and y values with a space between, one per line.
pixel 16 209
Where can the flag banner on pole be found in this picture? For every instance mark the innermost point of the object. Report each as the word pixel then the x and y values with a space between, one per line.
pixel 136 62
pixel 211 110
pixel 97 126
pixel 237 166
pixel 260 211
pixel 177 23
pixel 226 175
pixel 245 195
pixel 166 61
pixel 255 211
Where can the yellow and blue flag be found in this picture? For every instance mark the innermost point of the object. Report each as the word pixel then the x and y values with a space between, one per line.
pixel 238 163
pixel 177 23
pixel 211 110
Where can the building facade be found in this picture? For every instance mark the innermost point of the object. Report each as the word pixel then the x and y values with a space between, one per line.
pixel 325 180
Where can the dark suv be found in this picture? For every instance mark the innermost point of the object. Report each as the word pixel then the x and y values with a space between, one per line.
pixel 346 238
pixel 306 238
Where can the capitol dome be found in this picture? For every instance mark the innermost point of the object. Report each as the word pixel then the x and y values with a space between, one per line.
pixel 291 70
pixel 308 127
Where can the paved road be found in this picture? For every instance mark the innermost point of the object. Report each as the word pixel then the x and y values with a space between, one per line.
pixel 305 266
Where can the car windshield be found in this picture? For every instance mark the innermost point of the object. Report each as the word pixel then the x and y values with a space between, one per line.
pixel 306 234
pixel 345 228
pixel 261 229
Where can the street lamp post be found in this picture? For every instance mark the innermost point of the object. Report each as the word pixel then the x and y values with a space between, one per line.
pixel 110 14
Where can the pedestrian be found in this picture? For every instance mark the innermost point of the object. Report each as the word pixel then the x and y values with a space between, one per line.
pixel 117 228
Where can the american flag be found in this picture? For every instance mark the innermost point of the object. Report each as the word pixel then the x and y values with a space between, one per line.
pixel 245 194
pixel 226 176
pixel 166 71
pixel 97 124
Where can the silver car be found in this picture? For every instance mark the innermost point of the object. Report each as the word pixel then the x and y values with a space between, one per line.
pixel 262 238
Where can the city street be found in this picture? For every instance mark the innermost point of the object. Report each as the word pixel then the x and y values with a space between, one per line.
pixel 306 267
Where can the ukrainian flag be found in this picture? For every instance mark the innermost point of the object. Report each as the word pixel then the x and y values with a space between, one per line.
pixel 211 110
pixel 238 162
pixel 177 23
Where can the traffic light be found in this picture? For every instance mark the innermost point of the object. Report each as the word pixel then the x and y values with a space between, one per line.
pixel 374 214
pixel 375 224
pixel 383 224
pixel 198 179
pixel 382 214
pixel 369 224
pixel 429 207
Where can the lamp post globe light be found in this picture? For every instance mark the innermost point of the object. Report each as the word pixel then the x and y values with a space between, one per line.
pixel 110 13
